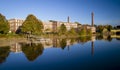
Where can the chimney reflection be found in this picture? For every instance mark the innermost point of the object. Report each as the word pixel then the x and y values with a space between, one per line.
pixel 92 48
pixel 92 45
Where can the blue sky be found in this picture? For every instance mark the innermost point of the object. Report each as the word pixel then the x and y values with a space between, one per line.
pixel 105 11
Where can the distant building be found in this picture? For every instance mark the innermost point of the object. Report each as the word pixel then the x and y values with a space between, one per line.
pixel 15 24
pixel 52 26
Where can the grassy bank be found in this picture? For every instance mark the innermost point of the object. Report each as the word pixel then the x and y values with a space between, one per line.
pixel 7 36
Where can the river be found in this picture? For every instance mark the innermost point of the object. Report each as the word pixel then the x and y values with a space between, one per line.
pixel 83 53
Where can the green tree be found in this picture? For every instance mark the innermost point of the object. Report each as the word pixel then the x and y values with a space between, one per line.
pixel 78 23
pixel 100 28
pixel 82 32
pixel 89 32
pixel 62 30
pixel 109 27
pixel 32 24
pixel 4 25
pixel 72 32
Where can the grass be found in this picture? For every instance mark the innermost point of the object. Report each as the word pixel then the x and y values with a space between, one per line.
pixel 11 36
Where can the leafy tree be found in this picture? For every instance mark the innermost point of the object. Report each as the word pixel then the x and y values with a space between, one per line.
pixel 72 31
pixel 32 24
pixel 89 32
pixel 82 32
pixel 4 25
pixel 78 23
pixel 100 28
pixel 62 30
pixel 109 27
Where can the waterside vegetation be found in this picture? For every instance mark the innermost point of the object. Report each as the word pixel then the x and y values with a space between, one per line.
pixel 34 26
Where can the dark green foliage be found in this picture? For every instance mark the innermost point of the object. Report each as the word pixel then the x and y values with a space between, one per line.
pixel 82 32
pixel 62 30
pixel 4 25
pixel 72 32
pixel 109 27
pixel 100 28
pixel 32 24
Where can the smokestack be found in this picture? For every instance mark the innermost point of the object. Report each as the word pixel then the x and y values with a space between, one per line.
pixel 68 19
pixel 92 14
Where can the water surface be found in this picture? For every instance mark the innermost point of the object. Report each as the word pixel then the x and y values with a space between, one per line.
pixel 84 53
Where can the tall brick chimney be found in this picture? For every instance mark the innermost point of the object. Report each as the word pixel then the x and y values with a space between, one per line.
pixel 92 14
pixel 68 19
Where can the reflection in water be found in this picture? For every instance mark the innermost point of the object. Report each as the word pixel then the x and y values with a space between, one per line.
pixel 84 39
pixel 72 41
pixel 109 38
pixel 32 50
pixel 92 48
pixel 63 43
pixel 104 37
pixel 117 38
pixel 4 52
pixel 35 49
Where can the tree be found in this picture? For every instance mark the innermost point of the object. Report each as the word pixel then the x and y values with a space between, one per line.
pixel 62 29
pixel 82 32
pixel 4 25
pixel 89 32
pixel 32 24
pixel 72 31
pixel 100 28
pixel 109 27
pixel 78 23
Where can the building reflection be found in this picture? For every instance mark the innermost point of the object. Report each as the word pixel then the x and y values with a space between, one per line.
pixel 15 47
pixel 33 49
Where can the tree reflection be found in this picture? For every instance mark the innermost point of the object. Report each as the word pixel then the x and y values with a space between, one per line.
pixel 118 39
pixel 84 39
pixel 109 38
pixel 72 40
pixel 32 50
pixel 63 43
pixel 4 52
pixel 99 37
